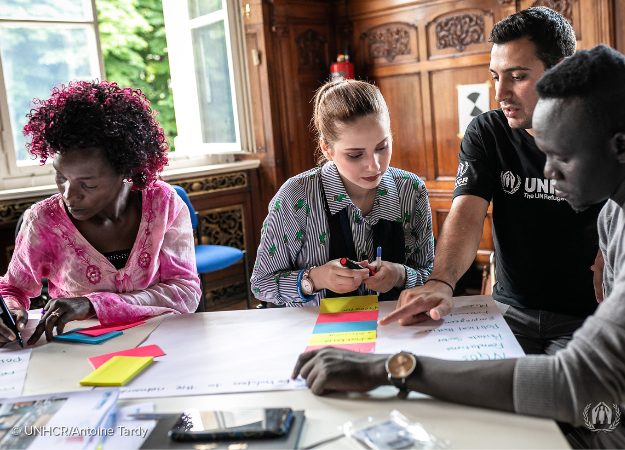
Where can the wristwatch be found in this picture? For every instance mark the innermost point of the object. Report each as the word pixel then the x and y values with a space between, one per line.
pixel 399 367
pixel 307 285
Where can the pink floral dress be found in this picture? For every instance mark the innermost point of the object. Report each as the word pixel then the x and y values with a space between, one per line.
pixel 160 276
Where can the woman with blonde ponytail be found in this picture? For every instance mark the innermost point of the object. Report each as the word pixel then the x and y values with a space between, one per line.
pixel 347 207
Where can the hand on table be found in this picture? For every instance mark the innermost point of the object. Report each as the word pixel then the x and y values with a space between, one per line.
pixel 60 311
pixel 334 369
pixel 597 276
pixel 387 276
pixel 6 335
pixel 332 275
pixel 434 297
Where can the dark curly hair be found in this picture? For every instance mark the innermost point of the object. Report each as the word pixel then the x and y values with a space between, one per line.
pixel 549 30
pixel 102 115
pixel 597 78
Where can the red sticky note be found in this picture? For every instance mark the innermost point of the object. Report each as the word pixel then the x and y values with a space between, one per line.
pixel 101 329
pixel 357 316
pixel 360 347
pixel 150 350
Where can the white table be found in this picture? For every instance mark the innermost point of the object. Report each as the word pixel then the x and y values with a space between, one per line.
pixel 58 367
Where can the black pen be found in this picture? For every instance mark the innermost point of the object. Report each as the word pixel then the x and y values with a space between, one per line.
pixel 346 262
pixel 7 318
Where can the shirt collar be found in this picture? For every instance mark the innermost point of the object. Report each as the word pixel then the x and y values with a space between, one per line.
pixel 386 206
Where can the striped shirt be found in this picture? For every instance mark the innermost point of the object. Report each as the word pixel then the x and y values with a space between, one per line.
pixel 295 234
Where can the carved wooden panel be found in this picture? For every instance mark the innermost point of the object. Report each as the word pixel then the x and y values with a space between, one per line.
pixel 403 97
pixel 215 183
pixel 312 52
pixel 459 32
pixel 393 42
pixel 564 7
pixel 11 211
pixel 571 9
pixel 223 226
pixel 444 100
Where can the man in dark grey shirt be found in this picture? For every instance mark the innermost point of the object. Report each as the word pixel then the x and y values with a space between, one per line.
pixel 579 123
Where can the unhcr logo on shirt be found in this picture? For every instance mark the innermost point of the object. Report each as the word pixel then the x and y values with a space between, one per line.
pixel 510 182
pixel 538 188
pixel 602 418
pixel 461 180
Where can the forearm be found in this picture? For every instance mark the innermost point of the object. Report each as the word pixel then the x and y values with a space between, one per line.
pixel 171 296
pixel 459 239
pixel 486 384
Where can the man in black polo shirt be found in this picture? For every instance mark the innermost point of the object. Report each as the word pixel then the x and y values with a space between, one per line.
pixel 544 249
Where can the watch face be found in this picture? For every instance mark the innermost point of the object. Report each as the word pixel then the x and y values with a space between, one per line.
pixel 306 287
pixel 402 364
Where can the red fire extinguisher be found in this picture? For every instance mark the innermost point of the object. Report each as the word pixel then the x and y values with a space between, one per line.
pixel 342 68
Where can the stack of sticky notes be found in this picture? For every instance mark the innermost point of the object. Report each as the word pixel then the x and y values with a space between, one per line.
pixel 94 335
pixel 118 368
pixel 117 371
pixel 99 330
pixel 346 322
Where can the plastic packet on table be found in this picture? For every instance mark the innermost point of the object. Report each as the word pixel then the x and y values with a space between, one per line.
pixel 392 431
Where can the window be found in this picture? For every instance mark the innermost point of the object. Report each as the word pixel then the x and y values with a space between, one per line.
pixel 205 42
pixel 42 43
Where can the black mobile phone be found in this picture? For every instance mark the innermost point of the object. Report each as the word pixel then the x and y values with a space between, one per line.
pixel 196 425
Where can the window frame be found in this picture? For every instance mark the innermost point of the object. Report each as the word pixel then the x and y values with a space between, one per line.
pixel 178 28
pixel 13 174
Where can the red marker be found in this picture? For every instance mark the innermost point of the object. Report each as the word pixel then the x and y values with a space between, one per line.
pixel 346 262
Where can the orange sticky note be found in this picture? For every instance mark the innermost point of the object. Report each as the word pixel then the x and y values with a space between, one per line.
pixel 149 350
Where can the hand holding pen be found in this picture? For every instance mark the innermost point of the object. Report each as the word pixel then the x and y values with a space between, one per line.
pixel 387 274
pixel 12 324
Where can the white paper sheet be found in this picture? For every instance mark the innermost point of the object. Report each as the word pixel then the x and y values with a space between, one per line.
pixel 475 330
pixel 245 351
pixel 14 362
pixel 226 351
pixel 69 420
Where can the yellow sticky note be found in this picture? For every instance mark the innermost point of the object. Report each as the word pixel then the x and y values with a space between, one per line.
pixel 117 371
pixel 349 304
pixel 350 337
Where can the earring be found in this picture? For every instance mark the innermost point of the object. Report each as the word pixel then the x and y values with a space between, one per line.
pixel 331 163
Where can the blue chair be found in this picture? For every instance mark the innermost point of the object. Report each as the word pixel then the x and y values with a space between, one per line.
pixel 210 258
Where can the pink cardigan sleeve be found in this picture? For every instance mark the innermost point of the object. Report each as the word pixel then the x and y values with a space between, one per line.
pixel 29 264
pixel 176 290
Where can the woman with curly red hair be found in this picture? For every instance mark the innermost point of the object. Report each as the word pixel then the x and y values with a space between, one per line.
pixel 114 243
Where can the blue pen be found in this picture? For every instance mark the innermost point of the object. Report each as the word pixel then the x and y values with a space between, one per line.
pixel 378 260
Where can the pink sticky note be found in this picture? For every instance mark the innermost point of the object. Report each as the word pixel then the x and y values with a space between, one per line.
pixel 358 316
pixel 361 347
pixel 101 329
pixel 150 350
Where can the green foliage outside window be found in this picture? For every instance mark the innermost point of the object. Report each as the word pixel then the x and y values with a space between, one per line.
pixel 132 35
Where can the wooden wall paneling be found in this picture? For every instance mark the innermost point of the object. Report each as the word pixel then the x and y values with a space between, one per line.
pixel 265 87
pixel 313 44
pixel 303 48
pixel 403 97
pixel 619 25
pixel 592 20
pixel 252 46
pixel 459 32
pixel 444 95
